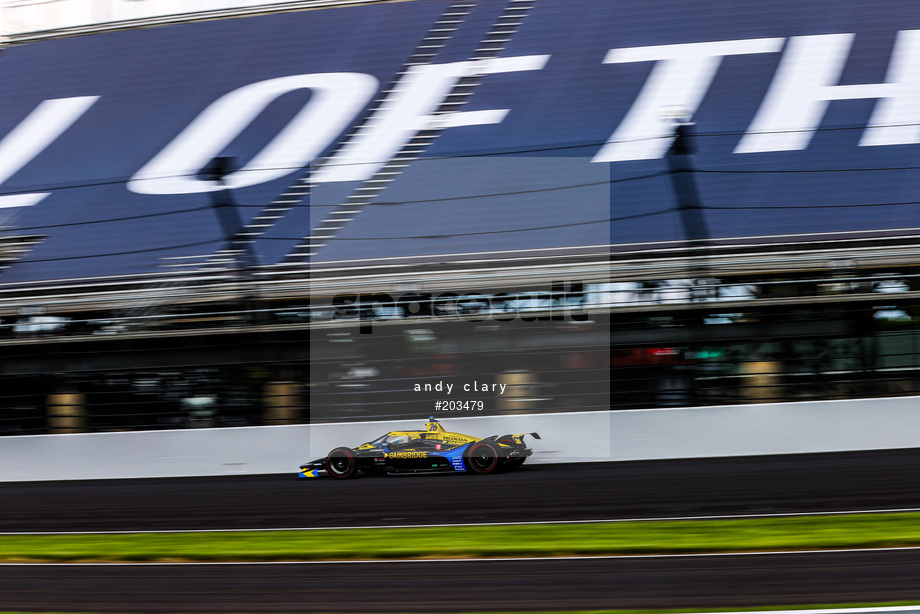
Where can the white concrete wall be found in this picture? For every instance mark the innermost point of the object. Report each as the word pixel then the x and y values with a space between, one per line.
pixel 737 430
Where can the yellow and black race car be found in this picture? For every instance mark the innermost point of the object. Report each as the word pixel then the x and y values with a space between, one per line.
pixel 430 450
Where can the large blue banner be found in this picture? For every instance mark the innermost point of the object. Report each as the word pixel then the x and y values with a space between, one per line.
pixel 420 129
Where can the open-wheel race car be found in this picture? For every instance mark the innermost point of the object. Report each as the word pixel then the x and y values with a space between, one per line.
pixel 430 450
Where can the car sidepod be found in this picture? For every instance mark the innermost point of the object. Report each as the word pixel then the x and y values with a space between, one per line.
pixel 427 457
pixel 454 457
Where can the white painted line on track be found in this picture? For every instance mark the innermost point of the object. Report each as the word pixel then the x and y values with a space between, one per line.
pixel 477 524
pixel 518 559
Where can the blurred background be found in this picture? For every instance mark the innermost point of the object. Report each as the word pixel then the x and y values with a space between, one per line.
pixel 220 214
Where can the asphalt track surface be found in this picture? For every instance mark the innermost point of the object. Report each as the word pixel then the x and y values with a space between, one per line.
pixel 750 485
pixel 765 485
pixel 466 586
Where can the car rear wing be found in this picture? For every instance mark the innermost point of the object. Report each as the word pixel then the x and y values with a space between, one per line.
pixel 517 438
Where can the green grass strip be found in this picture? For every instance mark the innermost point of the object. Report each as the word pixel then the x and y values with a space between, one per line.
pixel 634 537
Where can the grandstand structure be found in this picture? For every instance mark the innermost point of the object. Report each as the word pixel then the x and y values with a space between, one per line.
pixel 223 213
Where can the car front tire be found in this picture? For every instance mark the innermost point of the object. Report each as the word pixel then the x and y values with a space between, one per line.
pixel 342 463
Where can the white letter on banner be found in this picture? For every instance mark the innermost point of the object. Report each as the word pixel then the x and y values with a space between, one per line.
pixel 33 134
pixel 409 109
pixel 336 99
pixel 805 84
pixel 679 80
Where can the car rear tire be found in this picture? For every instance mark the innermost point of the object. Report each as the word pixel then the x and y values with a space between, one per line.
pixel 482 457
pixel 342 463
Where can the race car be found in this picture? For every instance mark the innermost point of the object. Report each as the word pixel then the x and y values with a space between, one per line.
pixel 431 450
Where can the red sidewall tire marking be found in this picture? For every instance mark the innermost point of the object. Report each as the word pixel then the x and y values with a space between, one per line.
pixel 353 464
pixel 494 458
